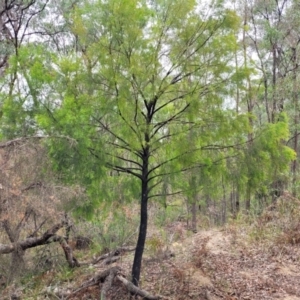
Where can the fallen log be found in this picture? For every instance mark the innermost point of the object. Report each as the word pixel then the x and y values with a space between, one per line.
pixel 106 277
pixel 116 252
pixel 96 280
pixel 31 241
pixel 71 259
pixel 108 282
pixel 48 237
pixel 108 258
pixel 137 291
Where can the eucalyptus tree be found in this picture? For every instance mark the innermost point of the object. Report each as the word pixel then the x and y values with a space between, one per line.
pixel 259 94
pixel 289 87
pixel 27 28
pixel 271 40
pixel 16 26
pixel 15 17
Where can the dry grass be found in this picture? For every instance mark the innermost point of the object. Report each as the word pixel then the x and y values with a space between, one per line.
pixel 200 254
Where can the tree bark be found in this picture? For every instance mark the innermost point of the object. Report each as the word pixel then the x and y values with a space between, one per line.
pixel 30 242
pixel 17 264
pixel 194 215
pixel 136 291
pixel 248 200
pixel 296 122
pixel 71 259
pixel 137 262
pixel 107 277
pixel 108 282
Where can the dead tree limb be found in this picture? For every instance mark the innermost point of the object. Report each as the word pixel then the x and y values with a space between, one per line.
pixel 116 252
pixel 110 260
pixel 108 282
pixel 34 233
pixel 137 291
pixel 22 140
pixel 96 280
pixel 107 277
pixel 71 259
pixel 32 241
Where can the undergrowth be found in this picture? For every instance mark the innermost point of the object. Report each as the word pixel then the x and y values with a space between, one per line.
pixel 279 225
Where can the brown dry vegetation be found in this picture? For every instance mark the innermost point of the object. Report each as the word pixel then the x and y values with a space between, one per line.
pixel 249 258
pixel 31 201
pixel 27 183
pixel 246 259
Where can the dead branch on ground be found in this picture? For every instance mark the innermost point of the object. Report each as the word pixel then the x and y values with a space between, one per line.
pixel 31 241
pixel 106 277
pixel 108 258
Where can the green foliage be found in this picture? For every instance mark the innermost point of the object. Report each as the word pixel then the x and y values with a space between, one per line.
pixel 168 59
pixel 267 158
pixel 174 211
pixel 113 227
pixel 149 99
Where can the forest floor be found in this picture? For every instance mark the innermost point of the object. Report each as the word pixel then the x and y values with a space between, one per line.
pixel 225 263
pixel 257 260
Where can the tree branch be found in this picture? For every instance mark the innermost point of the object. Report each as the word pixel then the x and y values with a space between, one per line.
pixel 125 159
pixel 168 194
pixel 159 125
pixel 18 141
pixel 191 167
pixel 32 241
pixel 124 170
pixel 137 153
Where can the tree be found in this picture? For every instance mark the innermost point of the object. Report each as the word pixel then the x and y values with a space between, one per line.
pixel 262 67
pixel 29 201
pixel 134 90
pixel 143 89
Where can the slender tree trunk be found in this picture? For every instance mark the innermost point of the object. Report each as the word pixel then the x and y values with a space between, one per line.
pixel 164 192
pixel 294 163
pixel 17 264
pixel 137 262
pixel 194 214
pixel 296 122
pixel 248 200
pixel 224 203
pixel 232 206
pixel 274 83
pixel 192 201
pixel 234 202
pixel 250 105
pixel 237 103
pixel 237 203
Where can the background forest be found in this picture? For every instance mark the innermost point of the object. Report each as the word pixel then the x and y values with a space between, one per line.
pixel 188 106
